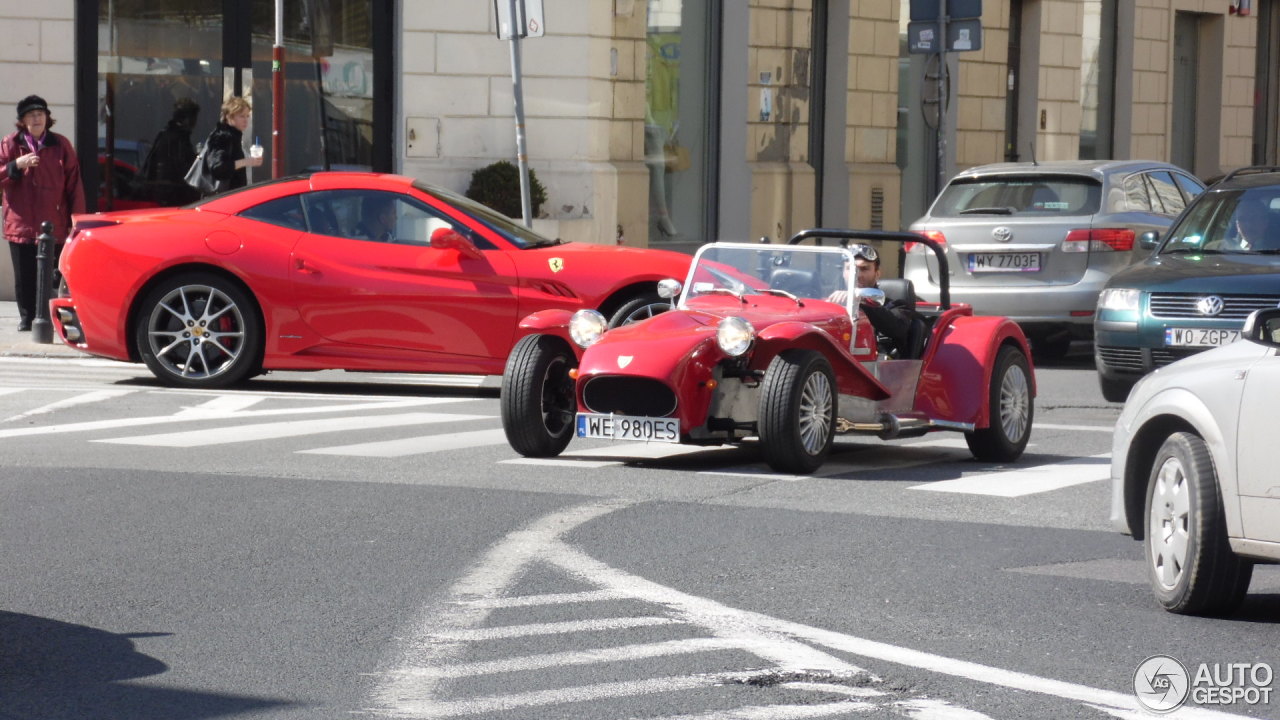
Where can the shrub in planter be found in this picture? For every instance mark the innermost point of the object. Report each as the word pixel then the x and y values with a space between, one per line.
pixel 498 186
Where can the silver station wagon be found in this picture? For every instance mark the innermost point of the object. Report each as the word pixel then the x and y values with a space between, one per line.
pixel 1037 242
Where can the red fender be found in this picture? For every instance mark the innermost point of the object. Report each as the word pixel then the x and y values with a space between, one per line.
pixel 548 322
pixel 955 380
pixel 852 377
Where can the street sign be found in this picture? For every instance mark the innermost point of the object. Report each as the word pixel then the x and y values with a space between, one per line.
pixel 956 9
pixel 528 23
pixel 923 36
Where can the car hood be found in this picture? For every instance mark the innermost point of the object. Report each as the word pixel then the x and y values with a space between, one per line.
pixel 1219 273
pixel 1191 372
pixel 656 347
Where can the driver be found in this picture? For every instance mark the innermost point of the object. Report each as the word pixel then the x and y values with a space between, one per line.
pixel 1251 221
pixel 891 320
pixel 378 218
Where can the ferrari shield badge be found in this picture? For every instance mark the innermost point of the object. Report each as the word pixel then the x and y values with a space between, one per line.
pixel 557 264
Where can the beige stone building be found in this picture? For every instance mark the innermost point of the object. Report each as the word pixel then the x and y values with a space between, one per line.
pixel 665 122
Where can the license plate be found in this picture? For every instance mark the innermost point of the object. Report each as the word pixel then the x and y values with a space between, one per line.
pixel 1199 337
pixel 1004 262
pixel 625 427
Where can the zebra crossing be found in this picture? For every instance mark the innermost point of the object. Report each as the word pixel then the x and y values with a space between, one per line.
pixel 390 427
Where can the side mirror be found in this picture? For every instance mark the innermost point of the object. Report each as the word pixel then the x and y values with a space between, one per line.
pixel 1263 327
pixel 669 288
pixel 449 239
pixel 873 296
pixel 1148 240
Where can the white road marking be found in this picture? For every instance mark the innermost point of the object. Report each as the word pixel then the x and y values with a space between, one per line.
pixel 410 688
pixel 562 462
pixel 289 428
pixel 555 628
pixel 647 451
pixel 218 407
pixel 778 712
pixel 547 599
pixel 1027 481
pixel 419 445
pixel 1084 428
pixel 84 399
pixel 584 657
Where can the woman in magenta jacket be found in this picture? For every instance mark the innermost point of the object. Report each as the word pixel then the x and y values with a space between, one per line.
pixel 40 178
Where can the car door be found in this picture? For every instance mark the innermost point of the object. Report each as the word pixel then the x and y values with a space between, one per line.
pixel 1258 481
pixel 402 293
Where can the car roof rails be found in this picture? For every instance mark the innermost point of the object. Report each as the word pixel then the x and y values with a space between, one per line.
pixel 1250 170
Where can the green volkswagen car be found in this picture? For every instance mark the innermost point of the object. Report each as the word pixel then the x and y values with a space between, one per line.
pixel 1219 262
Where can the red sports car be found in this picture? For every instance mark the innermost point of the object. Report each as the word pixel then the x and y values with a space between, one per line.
pixel 770 342
pixel 356 271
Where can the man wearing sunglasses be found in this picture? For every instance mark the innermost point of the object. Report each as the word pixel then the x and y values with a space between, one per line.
pixel 892 320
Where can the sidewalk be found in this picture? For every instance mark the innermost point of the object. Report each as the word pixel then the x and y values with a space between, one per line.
pixel 20 344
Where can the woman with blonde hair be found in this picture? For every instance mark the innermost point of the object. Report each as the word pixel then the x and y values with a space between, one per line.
pixel 224 158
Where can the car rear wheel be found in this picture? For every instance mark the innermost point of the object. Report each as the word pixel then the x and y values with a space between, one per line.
pixel 199 330
pixel 538 405
pixel 1115 390
pixel 797 411
pixel 1189 561
pixel 1010 410
pixel 639 308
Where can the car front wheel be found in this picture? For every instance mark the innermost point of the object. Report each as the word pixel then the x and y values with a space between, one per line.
pixel 199 330
pixel 1189 561
pixel 639 308
pixel 797 411
pixel 1010 409
pixel 538 405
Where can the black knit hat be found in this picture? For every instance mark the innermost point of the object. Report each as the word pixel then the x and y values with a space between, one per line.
pixel 32 102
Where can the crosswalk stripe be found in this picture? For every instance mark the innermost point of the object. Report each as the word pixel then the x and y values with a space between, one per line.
pixel 622 653
pixel 778 712
pixel 1026 481
pixel 290 428
pixel 82 399
pixel 418 445
pixel 546 599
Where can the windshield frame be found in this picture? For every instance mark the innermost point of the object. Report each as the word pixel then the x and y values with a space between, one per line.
pixel 780 256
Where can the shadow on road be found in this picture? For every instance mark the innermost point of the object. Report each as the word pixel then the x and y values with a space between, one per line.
pixel 59 671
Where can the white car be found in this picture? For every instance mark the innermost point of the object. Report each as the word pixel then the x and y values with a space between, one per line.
pixel 1191 470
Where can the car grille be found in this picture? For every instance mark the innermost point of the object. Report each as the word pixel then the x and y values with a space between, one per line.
pixel 1163 356
pixel 1234 307
pixel 644 397
pixel 1121 358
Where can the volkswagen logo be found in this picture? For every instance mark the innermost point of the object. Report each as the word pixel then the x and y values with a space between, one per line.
pixel 1209 305
pixel 1002 234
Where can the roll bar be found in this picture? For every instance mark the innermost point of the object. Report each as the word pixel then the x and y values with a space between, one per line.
pixel 844 236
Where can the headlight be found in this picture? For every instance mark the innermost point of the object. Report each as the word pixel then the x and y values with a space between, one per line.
pixel 735 336
pixel 586 327
pixel 1119 299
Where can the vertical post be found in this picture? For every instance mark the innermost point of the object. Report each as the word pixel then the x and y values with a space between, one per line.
pixel 41 328
pixel 943 80
pixel 277 95
pixel 522 157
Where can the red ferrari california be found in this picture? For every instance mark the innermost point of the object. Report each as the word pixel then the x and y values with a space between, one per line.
pixel 333 270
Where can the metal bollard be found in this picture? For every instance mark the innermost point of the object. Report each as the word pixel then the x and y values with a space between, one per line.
pixel 41 327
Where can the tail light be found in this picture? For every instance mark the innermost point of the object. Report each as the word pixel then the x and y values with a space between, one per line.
pixel 1099 239
pixel 934 235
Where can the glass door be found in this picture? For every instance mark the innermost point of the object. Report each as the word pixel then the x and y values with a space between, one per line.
pixel 164 68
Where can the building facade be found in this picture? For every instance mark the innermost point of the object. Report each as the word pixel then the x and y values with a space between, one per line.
pixel 662 123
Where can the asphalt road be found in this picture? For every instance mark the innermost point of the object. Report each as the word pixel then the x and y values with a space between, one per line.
pixel 337 545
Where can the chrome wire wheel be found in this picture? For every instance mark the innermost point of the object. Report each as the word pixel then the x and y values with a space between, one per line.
pixel 815 413
pixel 1015 400
pixel 1170 523
pixel 196 332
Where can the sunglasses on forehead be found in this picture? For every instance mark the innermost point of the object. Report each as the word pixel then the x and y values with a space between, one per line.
pixel 864 252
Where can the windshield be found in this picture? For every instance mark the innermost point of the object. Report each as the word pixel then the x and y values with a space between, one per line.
pixel 787 271
pixel 514 231
pixel 1030 195
pixel 1229 221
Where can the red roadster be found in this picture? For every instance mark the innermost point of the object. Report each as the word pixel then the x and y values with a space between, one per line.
pixel 756 347
pixel 357 271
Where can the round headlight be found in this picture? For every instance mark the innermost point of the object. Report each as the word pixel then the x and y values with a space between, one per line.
pixel 734 336
pixel 586 327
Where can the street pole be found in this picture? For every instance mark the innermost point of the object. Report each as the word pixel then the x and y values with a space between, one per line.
pixel 277 95
pixel 522 157
pixel 943 77
pixel 41 326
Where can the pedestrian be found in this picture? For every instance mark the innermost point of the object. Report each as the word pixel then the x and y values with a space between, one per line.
pixel 165 168
pixel 41 182
pixel 224 157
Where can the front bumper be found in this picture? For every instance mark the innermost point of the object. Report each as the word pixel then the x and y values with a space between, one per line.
pixel 1131 348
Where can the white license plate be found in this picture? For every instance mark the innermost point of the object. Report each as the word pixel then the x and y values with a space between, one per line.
pixel 625 427
pixel 1004 262
pixel 1199 337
